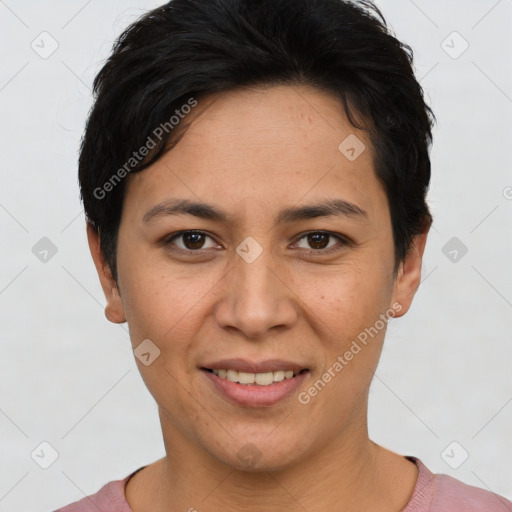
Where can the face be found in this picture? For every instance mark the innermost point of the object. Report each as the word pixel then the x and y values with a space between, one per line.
pixel 288 268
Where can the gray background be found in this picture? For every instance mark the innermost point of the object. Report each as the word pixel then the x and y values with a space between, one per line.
pixel 68 376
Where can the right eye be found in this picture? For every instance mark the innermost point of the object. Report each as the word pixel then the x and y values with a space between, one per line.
pixel 192 241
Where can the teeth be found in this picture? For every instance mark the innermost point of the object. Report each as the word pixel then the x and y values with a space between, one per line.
pixel 232 375
pixel 262 379
pixel 246 378
pixel 278 376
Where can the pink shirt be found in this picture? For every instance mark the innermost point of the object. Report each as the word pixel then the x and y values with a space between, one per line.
pixel 432 493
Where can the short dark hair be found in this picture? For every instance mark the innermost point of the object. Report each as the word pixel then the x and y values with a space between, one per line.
pixel 192 48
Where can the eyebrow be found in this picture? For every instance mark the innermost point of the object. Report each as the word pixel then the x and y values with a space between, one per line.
pixel 326 208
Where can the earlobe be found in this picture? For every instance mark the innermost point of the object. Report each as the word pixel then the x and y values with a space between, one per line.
pixel 114 310
pixel 408 277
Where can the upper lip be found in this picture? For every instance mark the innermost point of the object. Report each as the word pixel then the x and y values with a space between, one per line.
pixel 243 365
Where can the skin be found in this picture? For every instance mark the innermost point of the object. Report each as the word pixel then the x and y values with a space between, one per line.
pixel 253 152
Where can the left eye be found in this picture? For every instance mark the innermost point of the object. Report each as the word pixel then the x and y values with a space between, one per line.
pixel 319 241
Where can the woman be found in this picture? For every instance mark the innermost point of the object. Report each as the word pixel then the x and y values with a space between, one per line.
pixel 254 176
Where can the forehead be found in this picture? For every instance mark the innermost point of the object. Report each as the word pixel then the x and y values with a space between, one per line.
pixel 262 146
pixel 273 118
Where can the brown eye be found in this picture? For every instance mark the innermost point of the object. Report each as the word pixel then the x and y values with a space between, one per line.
pixel 320 242
pixel 193 240
pixel 190 241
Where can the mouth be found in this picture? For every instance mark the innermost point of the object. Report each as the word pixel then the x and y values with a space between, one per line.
pixel 254 384
pixel 258 379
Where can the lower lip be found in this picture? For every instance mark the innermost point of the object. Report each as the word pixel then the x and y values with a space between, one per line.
pixel 254 395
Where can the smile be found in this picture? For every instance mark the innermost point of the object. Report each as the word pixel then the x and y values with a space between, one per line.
pixel 260 379
pixel 255 389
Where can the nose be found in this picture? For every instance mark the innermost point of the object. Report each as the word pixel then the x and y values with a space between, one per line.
pixel 257 297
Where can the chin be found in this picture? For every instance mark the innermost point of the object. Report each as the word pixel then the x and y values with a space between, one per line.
pixel 260 453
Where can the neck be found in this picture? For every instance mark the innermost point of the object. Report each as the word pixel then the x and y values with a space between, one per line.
pixel 352 471
pixel 315 485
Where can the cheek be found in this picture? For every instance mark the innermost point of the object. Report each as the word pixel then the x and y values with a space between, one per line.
pixel 165 311
pixel 349 300
pixel 352 333
pixel 159 300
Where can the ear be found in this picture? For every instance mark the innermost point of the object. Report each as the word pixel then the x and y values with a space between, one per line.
pixel 114 310
pixel 408 277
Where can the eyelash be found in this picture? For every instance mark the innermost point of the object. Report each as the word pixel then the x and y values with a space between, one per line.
pixel 343 242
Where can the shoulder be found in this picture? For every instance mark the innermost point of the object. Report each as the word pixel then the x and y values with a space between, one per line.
pixel 450 492
pixel 443 493
pixel 110 495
